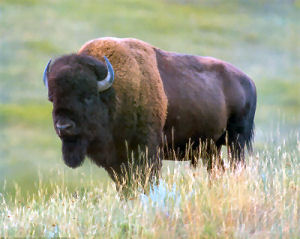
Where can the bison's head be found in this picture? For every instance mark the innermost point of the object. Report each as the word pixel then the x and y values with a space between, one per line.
pixel 80 115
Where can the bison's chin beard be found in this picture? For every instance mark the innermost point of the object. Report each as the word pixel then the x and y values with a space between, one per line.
pixel 74 151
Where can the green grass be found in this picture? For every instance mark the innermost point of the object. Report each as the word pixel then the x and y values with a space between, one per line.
pixel 261 39
pixel 37 189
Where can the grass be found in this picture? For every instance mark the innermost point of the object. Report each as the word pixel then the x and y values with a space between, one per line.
pixel 41 197
pixel 259 201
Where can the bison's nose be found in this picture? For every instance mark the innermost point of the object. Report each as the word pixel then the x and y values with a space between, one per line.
pixel 66 127
pixel 63 126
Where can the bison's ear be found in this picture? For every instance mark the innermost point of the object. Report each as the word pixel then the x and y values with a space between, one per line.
pixel 46 71
pixel 107 82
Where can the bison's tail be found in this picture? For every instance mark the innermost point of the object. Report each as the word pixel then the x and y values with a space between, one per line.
pixel 249 136
pixel 241 133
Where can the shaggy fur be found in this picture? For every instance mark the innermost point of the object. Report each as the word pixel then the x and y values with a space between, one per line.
pixel 154 93
pixel 74 151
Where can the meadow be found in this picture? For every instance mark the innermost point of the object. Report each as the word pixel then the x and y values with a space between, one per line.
pixel 41 197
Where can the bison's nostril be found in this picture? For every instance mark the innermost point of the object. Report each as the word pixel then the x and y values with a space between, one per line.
pixel 64 126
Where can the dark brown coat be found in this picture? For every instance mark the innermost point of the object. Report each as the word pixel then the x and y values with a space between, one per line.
pixel 155 93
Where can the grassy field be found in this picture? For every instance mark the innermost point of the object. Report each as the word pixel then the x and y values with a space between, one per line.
pixel 40 196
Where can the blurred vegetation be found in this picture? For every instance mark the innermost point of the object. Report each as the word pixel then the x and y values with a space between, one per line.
pixel 260 37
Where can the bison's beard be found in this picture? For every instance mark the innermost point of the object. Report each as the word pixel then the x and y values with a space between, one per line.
pixel 74 151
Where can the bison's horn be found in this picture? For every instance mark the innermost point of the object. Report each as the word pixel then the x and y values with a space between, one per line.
pixel 109 79
pixel 46 71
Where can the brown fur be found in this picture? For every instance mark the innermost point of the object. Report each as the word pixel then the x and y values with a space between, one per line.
pixel 207 99
pixel 154 93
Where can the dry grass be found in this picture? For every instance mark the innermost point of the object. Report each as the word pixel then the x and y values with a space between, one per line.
pixel 259 201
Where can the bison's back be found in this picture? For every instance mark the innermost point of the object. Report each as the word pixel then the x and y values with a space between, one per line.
pixel 156 90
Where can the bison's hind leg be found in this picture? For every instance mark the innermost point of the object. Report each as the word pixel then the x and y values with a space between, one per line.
pixel 210 153
pixel 214 156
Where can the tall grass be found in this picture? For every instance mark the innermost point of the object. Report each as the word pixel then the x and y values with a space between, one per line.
pixel 261 200
pixel 261 37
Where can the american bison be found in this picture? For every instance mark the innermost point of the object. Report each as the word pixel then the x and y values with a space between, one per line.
pixel 117 95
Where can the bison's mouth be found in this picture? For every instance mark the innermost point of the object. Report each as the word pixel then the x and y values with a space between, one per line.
pixel 73 150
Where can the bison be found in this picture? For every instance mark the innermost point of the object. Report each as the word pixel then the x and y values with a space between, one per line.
pixel 116 96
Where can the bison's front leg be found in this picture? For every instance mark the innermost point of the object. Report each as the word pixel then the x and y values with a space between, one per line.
pixel 214 158
pixel 139 171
